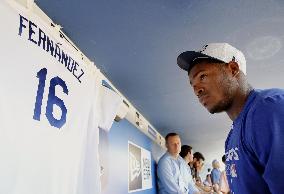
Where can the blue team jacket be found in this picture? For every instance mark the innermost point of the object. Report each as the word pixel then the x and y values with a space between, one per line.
pixel 255 145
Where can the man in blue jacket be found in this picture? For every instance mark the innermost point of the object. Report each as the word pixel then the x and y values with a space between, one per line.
pixel 254 147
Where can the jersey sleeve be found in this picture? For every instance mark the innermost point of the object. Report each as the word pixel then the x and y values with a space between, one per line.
pixel 109 103
pixel 266 140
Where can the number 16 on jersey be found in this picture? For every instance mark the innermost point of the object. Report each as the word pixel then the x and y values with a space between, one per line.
pixel 52 99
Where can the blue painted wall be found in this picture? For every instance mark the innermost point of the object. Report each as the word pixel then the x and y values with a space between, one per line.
pixel 114 157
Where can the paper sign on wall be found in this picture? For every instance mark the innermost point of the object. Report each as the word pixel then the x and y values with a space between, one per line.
pixel 139 168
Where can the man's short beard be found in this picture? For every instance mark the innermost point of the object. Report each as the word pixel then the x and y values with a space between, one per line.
pixel 221 106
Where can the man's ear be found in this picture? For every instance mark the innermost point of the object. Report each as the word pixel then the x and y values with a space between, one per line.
pixel 234 68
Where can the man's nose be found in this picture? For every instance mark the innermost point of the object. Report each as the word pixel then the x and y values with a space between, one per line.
pixel 198 91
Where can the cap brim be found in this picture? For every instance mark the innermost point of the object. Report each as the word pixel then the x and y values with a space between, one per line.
pixel 186 59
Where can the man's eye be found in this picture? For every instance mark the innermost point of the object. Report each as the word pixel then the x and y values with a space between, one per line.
pixel 203 76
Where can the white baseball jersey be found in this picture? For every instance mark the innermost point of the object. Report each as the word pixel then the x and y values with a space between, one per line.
pixel 51 105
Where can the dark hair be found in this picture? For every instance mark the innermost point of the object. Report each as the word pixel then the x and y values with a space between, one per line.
pixel 184 150
pixel 223 158
pixel 198 156
pixel 170 135
pixel 204 60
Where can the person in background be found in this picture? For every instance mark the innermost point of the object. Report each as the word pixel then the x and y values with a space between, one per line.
pixel 207 181
pixel 215 175
pixel 196 164
pixel 187 154
pixel 224 186
pixel 170 167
